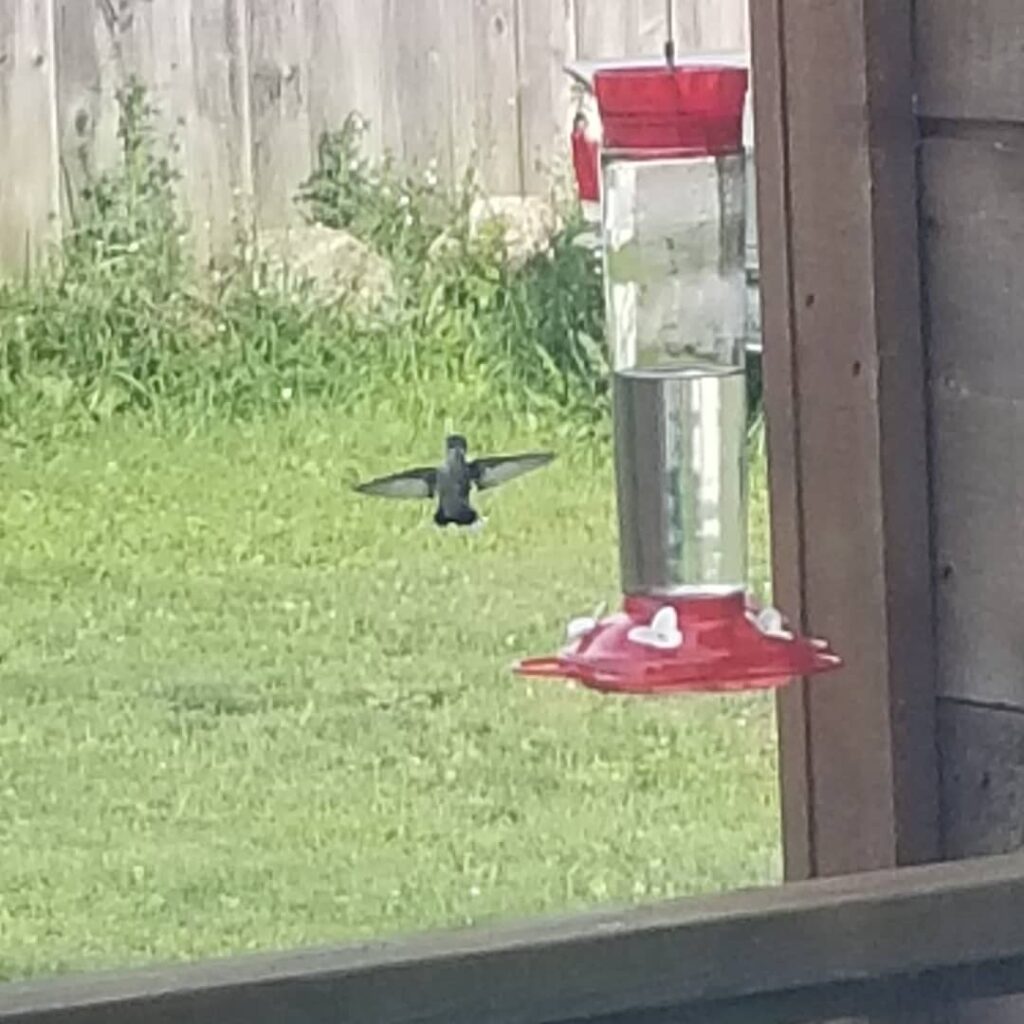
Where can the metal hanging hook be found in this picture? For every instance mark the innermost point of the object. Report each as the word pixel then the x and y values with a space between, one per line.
pixel 670 43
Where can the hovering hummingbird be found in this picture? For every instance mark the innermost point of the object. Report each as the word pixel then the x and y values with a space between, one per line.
pixel 451 482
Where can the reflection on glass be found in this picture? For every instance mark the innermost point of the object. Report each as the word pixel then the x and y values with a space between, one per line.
pixel 676 295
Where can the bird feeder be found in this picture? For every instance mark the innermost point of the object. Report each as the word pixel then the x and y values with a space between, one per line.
pixel 673 190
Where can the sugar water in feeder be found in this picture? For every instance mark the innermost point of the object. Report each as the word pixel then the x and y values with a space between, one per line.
pixel 673 218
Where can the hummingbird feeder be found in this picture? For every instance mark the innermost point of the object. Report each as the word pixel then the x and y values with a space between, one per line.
pixel 672 186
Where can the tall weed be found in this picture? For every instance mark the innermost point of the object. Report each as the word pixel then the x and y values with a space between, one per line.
pixel 124 321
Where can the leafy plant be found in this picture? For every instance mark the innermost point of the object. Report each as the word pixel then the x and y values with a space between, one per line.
pixel 123 320
pixel 101 327
pixel 400 215
pixel 533 329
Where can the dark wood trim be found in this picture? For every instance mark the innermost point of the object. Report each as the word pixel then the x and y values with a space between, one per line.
pixel 845 399
pixel 911 938
pixel 782 415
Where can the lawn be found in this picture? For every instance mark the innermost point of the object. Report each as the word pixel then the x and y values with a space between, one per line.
pixel 242 707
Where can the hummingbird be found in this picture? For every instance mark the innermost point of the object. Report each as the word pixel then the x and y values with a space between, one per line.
pixel 451 482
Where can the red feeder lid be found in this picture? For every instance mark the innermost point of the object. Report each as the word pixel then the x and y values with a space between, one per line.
pixel 689 108
pixel 679 644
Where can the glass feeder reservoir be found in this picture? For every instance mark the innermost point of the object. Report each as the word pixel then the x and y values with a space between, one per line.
pixel 673 224
pixel 675 283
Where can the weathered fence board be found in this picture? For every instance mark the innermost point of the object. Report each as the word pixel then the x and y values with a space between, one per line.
pixel 248 86
pixel 650 28
pixel 214 121
pixel 29 190
pixel 279 98
pixel 420 56
pixel 605 28
pixel 547 30
pixel 152 42
pixel 719 25
pixel 495 60
pixel 616 28
pixel 86 117
pixel 917 938
pixel 346 40
pixel 191 58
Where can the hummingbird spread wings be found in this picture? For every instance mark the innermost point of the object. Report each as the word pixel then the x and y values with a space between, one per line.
pixel 486 472
pixel 410 483
pixel 492 470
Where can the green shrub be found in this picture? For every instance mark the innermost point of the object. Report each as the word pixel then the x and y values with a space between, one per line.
pixel 123 320
pixel 532 330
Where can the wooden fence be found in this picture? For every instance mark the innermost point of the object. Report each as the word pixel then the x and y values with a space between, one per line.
pixel 248 85
pixel 915 939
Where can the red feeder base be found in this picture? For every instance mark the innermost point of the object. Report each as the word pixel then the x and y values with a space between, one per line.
pixel 693 643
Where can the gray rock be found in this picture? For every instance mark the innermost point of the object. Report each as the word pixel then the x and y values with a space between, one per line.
pixel 334 265
pixel 526 224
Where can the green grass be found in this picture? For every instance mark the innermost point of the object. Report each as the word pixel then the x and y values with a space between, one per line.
pixel 242 707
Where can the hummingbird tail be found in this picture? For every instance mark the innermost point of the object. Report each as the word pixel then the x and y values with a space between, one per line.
pixel 465 516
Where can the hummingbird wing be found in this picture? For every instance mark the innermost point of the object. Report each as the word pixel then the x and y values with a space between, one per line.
pixel 410 483
pixel 492 470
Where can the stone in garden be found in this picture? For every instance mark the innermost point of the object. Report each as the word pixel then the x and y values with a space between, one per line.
pixel 527 223
pixel 336 266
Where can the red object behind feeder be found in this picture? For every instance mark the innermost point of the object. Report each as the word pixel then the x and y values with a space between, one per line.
pixel 585 162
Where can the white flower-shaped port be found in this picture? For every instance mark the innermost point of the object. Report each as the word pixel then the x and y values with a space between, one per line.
pixel 580 626
pixel 663 632
pixel 584 624
pixel 769 622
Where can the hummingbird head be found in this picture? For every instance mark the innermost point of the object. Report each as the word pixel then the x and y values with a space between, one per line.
pixel 455 443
